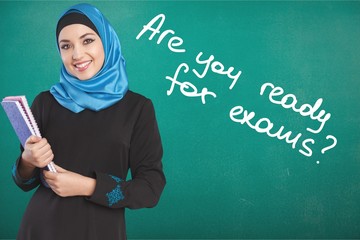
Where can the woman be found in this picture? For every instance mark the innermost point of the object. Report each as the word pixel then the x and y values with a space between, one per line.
pixel 94 130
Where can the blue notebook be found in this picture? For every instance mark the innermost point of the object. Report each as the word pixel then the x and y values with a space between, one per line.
pixel 22 120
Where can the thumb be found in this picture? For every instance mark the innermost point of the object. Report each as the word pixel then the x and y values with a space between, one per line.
pixel 59 169
pixel 33 139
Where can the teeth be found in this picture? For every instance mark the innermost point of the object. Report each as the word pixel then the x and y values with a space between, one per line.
pixel 82 65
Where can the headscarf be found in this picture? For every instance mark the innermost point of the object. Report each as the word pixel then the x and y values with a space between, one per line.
pixel 74 18
pixel 105 88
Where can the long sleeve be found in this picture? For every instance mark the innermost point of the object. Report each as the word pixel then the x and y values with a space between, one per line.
pixel 25 184
pixel 105 145
pixel 34 180
pixel 145 155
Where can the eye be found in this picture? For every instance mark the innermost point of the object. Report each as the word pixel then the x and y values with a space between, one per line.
pixel 65 46
pixel 88 41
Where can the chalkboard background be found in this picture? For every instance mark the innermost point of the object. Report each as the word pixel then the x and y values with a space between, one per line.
pixel 225 179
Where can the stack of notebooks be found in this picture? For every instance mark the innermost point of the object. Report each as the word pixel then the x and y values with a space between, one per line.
pixel 21 118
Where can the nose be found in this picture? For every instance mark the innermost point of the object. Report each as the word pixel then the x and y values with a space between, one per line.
pixel 77 53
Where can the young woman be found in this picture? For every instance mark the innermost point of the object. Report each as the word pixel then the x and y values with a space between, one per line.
pixel 94 130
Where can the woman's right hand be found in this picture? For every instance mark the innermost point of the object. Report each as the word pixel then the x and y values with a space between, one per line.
pixel 37 153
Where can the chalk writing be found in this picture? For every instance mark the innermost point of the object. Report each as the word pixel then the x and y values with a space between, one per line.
pixel 331 145
pixel 216 67
pixel 173 41
pixel 187 88
pixel 238 114
pixel 290 101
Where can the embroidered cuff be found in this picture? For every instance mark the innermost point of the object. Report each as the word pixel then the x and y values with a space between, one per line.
pixel 25 184
pixel 19 179
pixel 108 190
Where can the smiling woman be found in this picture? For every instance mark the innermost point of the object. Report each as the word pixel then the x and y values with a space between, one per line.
pixel 95 129
pixel 81 51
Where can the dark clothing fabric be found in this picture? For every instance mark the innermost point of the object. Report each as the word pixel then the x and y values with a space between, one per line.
pixel 103 145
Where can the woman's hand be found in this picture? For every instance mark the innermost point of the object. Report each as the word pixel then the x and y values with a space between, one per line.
pixel 66 183
pixel 37 153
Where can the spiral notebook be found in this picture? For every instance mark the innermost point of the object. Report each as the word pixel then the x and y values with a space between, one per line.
pixel 22 120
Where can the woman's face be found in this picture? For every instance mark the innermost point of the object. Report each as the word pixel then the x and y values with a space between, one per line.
pixel 81 50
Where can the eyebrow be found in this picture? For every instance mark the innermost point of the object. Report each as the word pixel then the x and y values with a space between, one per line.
pixel 81 37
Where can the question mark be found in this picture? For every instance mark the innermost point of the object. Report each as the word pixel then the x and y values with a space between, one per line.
pixel 331 146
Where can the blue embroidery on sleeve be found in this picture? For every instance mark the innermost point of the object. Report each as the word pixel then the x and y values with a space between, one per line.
pixel 30 181
pixel 26 182
pixel 117 179
pixel 13 170
pixel 116 194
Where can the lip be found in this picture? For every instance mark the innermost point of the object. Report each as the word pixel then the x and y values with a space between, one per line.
pixel 82 66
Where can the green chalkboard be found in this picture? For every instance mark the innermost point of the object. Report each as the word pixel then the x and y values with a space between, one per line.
pixel 257 104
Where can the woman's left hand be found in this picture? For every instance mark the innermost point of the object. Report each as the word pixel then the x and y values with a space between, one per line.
pixel 66 183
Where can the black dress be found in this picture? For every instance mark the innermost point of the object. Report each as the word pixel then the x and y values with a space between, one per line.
pixel 101 145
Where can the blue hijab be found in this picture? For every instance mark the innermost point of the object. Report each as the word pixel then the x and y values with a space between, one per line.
pixel 109 85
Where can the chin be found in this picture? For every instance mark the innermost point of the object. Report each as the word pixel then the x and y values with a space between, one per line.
pixel 84 77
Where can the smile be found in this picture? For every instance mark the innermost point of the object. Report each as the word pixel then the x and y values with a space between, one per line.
pixel 82 66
